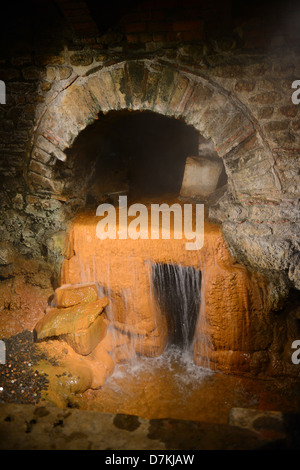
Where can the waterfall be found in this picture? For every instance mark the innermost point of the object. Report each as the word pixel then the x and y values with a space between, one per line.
pixel 178 290
pixel 154 289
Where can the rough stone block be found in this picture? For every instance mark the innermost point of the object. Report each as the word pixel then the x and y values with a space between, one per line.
pixel 179 91
pixel 78 106
pixel 108 87
pixel 118 77
pixel 49 148
pixel 40 168
pixel 258 420
pixel 201 177
pixel 69 320
pixel 165 89
pixel 84 342
pixel 200 96
pixel 233 133
pixel 67 296
pixel 246 179
pixel 151 87
pixel 270 97
pixel 94 87
pixel 44 183
pixel 7 253
pixel 43 157
pixel 82 59
pixel 137 75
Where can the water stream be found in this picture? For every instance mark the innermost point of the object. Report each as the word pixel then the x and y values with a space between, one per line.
pixel 178 290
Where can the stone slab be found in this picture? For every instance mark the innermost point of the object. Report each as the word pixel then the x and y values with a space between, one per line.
pixel 29 427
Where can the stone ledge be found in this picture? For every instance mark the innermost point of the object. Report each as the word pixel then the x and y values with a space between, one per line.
pixel 29 427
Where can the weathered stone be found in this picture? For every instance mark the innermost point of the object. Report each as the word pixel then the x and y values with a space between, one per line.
pixel 48 148
pixel 57 244
pixel 84 341
pixel 295 125
pixel 269 253
pixel 96 90
pixel 81 58
pixel 151 86
pixel 101 57
pixel 68 296
pixel 45 86
pixel 44 183
pixel 64 72
pixel 238 129
pixel 266 98
pixel 24 295
pixel 244 85
pixel 7 253
pixel 51 73
pixel 50 204
pixel 265 113
pixel 259 420
pixel 198 98
pixel 242 159
pixel 136 73
pixel 69 320
pixel 294 270
pixel 118 77
pixel 289 110
pixel 18 201
pixel 40 168
pixel 275 126
pixel 229 71
pixel 165 89
pixel 201 176
pixel 124 353
pixel 180 88
pixel 78 105
pixel 108 87
pixel 153 344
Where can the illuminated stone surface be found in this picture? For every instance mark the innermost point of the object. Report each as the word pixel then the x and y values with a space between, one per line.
pixel 233 321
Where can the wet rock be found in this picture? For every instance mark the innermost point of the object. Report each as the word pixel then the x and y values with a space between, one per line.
pixel 84 341
pixel 69 296
pixel 78 318
pixel 101 365
pixel 235 319
pixel 62 321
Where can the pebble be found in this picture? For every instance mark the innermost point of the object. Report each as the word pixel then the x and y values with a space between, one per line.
pixel 19 383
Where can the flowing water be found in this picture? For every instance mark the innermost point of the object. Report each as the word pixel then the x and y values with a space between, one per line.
pixel 172 386
pixel 160 292
pixel 178 290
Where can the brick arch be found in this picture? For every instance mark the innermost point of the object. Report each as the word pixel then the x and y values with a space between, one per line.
pixel 162 88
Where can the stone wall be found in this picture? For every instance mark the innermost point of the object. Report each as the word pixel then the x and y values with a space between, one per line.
pixel 228 75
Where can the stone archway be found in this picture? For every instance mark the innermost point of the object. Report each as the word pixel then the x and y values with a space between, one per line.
pixel 147 86
pixel 161 88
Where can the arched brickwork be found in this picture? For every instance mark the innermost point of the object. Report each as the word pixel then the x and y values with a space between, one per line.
pixel 144 85
pixel 174 91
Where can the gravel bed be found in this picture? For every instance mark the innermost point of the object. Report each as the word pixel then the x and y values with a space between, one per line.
pixel 19 381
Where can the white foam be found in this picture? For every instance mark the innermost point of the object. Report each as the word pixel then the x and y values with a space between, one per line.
pixel 176 365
